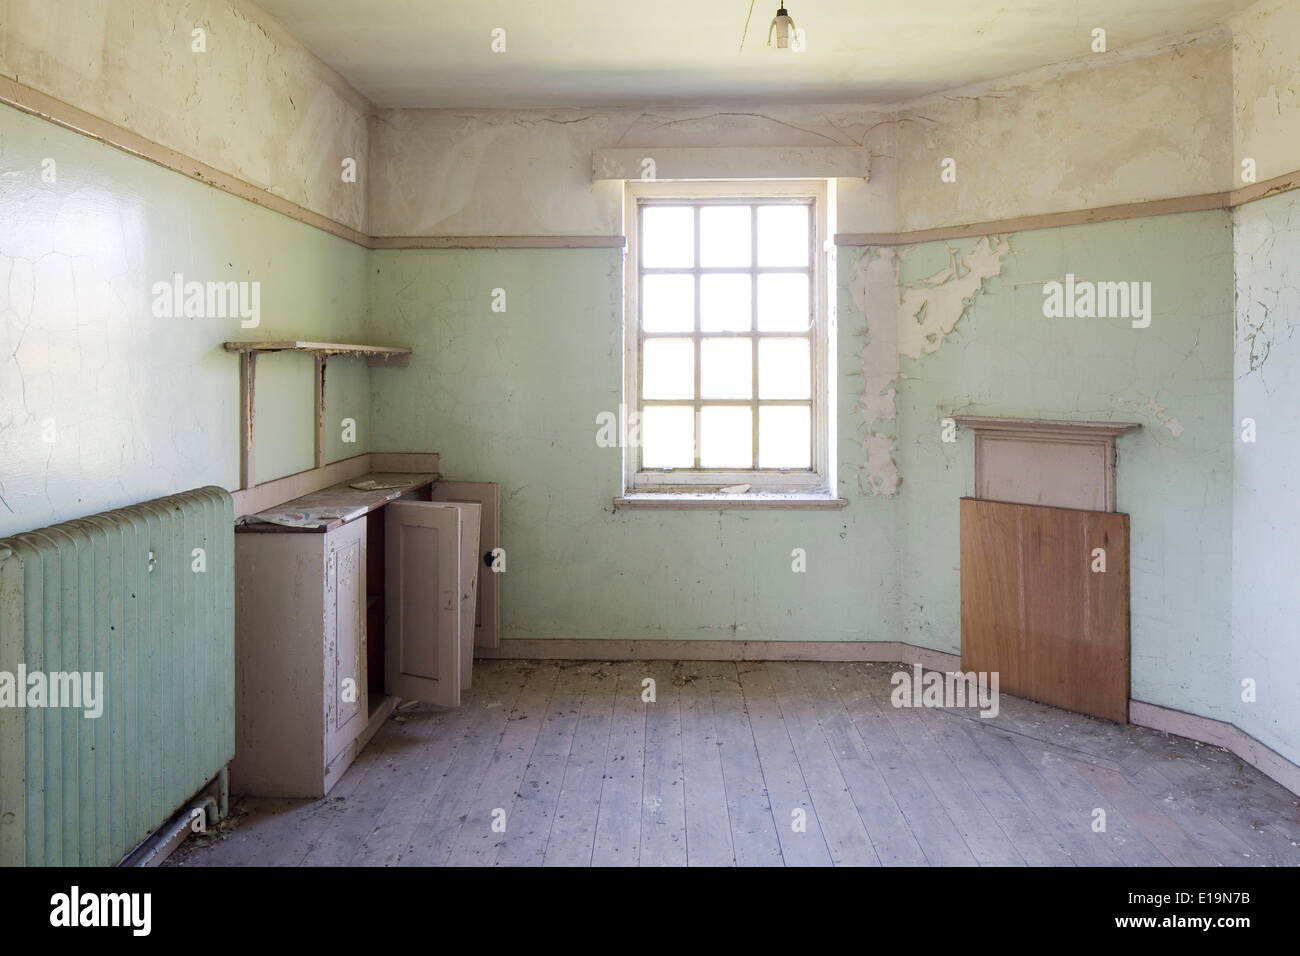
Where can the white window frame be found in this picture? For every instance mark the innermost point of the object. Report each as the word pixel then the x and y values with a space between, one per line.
pixel 819 479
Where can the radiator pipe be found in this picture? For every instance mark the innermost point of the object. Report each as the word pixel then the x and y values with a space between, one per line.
pixel 160 845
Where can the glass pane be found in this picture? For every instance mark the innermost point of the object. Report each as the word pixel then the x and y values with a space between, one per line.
pixel 783 235
pixel 783 369
pixel 783 304
pixel 725 303
pixel 724 235
pixel 726 437
pixel 784 436
pixel 668 303
pixel 667 436
pixel 667 237
pixel 668 368
pixel 726 368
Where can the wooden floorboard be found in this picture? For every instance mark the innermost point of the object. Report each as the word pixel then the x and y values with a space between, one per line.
pixel 797 826
pixel 529 826
pixel 891 836
pixel 984 838
pixel 753 829
pixel 846 835
pixel 663 790
pixel 1070 828
pixel 618 822
pixel 1129 847
pixel 756 763
pixel 573 830
pixel 708 822
pixel 489 819
pixel 435 736
pixel 446 812
pixel 864 691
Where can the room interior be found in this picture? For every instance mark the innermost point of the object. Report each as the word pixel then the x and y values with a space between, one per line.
pixel 356 428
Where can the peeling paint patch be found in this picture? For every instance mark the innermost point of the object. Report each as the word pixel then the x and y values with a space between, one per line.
pixel 908 319
pixel 1157 410
pixel 930 308
pixel 879 475
pixel 874 290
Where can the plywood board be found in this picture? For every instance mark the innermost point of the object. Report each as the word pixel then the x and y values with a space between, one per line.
pixel 1035 610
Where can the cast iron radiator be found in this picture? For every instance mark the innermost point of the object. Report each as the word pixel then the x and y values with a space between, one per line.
pixel 142 598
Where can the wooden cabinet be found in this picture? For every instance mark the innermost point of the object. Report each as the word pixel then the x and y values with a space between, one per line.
pixel 345 688
pixel 306 622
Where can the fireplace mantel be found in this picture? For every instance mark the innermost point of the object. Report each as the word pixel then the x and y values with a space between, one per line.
pixel 1036 461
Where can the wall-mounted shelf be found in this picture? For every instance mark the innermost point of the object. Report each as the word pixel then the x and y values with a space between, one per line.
pixel 375 355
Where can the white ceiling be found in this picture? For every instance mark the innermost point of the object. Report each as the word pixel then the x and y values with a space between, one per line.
pixel 436 53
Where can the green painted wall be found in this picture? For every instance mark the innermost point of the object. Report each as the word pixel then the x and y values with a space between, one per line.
pixel 1266 532
pixel 514 397
pixel 143 406
pixel 1004 358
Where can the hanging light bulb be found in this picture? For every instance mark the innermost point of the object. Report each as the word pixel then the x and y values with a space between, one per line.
pixel 784 29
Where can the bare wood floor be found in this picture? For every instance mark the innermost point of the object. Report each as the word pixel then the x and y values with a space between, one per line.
pixel 720 769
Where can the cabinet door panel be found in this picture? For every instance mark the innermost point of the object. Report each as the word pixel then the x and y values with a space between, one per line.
pixel 345 636
pixel 469 556
pixel 422 601
pixel 487 605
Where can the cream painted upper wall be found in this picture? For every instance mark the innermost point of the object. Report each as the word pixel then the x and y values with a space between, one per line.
pixel 528 172
pixel 256 104
pixel 1266 75
pixel 1096 133
pixel 1099 132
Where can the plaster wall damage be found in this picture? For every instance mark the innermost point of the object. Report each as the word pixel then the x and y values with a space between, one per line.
pixel 1266 528
pixel 253 102
pixel 1104 129
pixel 1099 131
pixel 907 319
pixel 874 289
pixel 104 403
pixel 1157 411
pixel 528 172
pixel 1266 67
pixel 1266 243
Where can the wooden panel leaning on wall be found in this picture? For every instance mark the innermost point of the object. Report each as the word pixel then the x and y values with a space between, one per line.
pixel 1045 603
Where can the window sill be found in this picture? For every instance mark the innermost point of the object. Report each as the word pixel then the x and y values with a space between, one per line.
pixel 722 502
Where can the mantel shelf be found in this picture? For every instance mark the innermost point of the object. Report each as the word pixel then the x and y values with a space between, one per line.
pixel 374 354
pixel 1036 461
pixel 1027 427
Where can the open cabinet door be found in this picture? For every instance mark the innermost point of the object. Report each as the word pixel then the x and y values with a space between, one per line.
pixel 469 527
pixel 487 605
pixel 422 641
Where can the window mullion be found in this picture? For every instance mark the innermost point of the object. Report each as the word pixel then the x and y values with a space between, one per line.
pixel 753 325
pixel 698 340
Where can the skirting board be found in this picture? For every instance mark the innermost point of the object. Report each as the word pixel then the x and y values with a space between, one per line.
pixel 566 649
pixel 1203 729
pixel 1208 731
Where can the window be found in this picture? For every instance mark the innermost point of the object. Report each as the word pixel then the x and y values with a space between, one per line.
pixel 727 356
